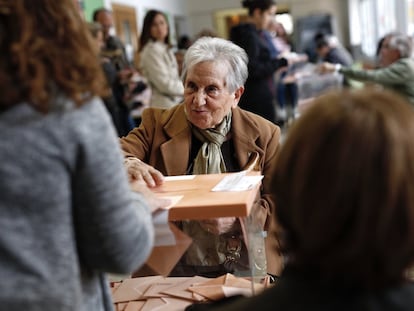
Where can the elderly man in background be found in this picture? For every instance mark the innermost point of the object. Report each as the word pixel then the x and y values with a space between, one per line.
pixel 113 46
pixel 208 133
pixel 330 50
pixel 397 67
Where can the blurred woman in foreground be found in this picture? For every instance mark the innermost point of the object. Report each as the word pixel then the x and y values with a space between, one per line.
pixel 67 214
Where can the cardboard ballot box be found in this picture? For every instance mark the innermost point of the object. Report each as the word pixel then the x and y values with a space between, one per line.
pixel 197 197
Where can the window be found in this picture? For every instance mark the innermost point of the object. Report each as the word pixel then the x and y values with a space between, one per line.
pixel 375 18
pixel 410 17
pixel 367 20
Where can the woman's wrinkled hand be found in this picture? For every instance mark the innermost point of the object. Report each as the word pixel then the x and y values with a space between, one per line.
pixel 326 68
pixel 218 226
pixel 142 172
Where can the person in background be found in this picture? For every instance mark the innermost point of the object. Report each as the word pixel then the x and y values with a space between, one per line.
pixel 330 50
pixel 378 59
pixel 184 42
pixel 396 71
pixel 259 96
pixel 286 93
pixel 207 134
pixel 375 62
pixel 179 57
pixel 345 205
pixel 114 50
pixel 67 213
pixel 113 47
pixel 157 61
pixel 136 92
pixel 111 103
pixel 206 32
pixel 280 38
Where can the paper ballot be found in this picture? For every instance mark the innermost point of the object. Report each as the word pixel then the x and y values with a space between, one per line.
pixel 238 182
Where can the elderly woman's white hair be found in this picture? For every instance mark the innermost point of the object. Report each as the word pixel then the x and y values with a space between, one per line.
pixel 208 49
pixel 403 43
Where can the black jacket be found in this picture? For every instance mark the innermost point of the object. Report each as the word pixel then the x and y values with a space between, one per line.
pixel 259 95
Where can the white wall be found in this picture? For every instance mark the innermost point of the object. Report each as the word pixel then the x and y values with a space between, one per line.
pixel 337 8
pixel 201 12
pixel 171 7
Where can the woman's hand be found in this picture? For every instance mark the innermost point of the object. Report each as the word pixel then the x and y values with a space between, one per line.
pixel 142 172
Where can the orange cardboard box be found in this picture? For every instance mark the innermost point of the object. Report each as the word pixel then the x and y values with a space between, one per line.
pixel 198 201
pixel 193 198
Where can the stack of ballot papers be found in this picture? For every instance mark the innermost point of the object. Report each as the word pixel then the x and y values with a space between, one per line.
pixel 157 293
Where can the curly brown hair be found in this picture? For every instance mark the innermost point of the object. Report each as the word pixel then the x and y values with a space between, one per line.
pixel 46 49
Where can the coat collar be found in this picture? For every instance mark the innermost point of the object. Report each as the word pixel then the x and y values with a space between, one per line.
pixel 245 134
pixel 175 151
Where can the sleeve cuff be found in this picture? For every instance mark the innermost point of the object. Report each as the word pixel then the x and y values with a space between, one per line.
pixel 338 67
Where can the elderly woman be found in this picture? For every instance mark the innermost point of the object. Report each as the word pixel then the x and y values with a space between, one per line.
pixel 205 134
pixel 397 67
pixel 344 193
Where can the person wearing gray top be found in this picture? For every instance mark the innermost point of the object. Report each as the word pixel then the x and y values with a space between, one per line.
pixel 67 212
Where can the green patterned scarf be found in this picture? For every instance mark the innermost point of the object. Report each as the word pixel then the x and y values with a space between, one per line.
pixel 209 159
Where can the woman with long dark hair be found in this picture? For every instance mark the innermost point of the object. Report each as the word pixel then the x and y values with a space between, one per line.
pixel 158 62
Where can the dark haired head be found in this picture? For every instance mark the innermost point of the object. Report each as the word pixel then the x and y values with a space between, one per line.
pixel 98 11
pixel 146 28
pixel 319 35
pixel 262 5
pixel 322 42
pixel 184 42
pixel 344 189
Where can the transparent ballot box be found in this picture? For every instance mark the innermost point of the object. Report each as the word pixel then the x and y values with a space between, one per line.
pixel 209 228
pixel 310 86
